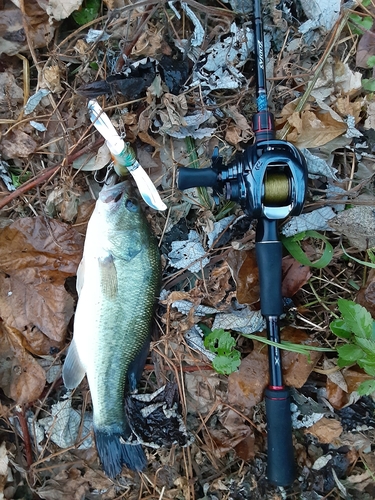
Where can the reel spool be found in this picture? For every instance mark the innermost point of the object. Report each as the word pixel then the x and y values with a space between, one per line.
pixel 276 189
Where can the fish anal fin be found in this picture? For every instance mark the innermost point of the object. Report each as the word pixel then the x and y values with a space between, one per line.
pixel 73 370
pixel 108 276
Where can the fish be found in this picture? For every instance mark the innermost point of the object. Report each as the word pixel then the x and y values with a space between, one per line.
pixel 118 281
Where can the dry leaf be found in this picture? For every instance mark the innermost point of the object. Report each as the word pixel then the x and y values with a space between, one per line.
pixel 51 76
pixel 357 224
pixel 244 270
pixel 11 95
pixel 235 435
pixel 21 377
pixel 366 295
pixel 58 10
pixel 326 430
pixel 295 275
pixel 17 144
pixel 67 484
pixel 35 260
pixel 13 38
pixel 246 386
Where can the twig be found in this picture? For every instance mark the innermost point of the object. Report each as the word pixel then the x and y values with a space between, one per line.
pixel 47 173
pixel 25 435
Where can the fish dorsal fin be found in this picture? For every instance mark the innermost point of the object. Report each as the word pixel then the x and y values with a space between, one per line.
pixel 73 370
pixel 108 276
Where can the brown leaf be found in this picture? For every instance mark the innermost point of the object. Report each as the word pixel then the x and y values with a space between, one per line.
pixel 35 265
pixel 366 295
pixel 18 144
pixel 67 484
pixel 246 386
pixel 297 367
pixel 244 269
pixel 295 275
pixel 235 433
pixel 335 395
pixel 21 378
pixel 326 430
pixel 354 376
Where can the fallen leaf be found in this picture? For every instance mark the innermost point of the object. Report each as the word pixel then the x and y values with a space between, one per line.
pixel 357 224
pixel 335 395
pixel 13 38
pixel 233 434
pixel 326 430
pixel 11 95
pixel 18 144
pixel 244 270
pixel 66 484
pixel 246 386
pixel 21 377
pixel 35 260
pixel 366 295
pixel 295 275
pixel 354 377
pixel 58 10
pixel 51 77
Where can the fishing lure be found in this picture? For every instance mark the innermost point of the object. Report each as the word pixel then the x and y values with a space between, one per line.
pixel 123 155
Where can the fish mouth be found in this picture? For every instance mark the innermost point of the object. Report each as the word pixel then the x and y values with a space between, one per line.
pixel 113 192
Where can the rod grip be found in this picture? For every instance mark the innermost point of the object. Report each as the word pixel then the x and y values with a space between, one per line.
pixel 196 177
pixel 269 255
pixel 280 462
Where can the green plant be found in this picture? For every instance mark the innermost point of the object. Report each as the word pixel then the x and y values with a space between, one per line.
pixel 222 343
pixel 292 244
pixel 357 327
pixel 87 13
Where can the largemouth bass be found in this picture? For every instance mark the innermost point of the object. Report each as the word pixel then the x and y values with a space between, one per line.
pixel 117 282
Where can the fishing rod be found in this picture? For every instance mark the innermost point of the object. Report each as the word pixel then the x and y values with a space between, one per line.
pixel 269 181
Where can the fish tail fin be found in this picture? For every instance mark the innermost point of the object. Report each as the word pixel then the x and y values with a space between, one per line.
pixel 114 452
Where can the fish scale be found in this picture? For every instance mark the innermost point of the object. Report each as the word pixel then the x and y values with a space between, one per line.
pixel 117 282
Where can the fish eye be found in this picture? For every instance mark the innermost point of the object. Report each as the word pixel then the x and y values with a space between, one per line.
pixel 131 205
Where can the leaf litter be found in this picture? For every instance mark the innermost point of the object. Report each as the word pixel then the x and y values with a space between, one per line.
pixel 178 79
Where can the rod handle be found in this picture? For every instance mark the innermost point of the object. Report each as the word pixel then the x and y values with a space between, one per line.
pixel 269 255
pixel 280 462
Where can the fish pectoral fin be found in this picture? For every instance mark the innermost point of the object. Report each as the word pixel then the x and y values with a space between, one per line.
pixel 73 370
pixel 108 276
pixel 80 274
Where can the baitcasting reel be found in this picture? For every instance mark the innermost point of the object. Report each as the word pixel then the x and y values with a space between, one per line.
pixel 268 179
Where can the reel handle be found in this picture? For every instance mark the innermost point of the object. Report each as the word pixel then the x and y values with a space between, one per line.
pixel 196 177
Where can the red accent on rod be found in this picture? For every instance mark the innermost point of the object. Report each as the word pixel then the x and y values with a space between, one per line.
pixel 276 387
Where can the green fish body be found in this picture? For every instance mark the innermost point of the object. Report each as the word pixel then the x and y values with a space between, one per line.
pixel 117 282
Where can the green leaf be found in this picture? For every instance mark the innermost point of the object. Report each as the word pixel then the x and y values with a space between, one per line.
pixel 363 262
pixel 371 61
pixel 341 329
pixel 349 353
pixel 368 84
pixel 366 388
pixel 220 341
pixel 227 364
pixel 295 250
pixel 360 24
pixel 357 318
pixel 367 345
pixel 366 3
pixel 88 12
pixel 369 368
